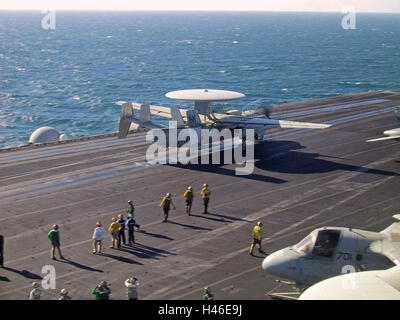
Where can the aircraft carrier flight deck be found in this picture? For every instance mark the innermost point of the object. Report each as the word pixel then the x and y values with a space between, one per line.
pixel 303 179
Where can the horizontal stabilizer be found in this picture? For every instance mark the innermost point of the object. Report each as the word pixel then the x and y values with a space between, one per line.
pixel 128 119
pixel 161 111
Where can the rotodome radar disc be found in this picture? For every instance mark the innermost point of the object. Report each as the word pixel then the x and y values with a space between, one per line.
pixel 204 95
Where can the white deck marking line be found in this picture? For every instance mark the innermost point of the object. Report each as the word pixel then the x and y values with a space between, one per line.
pixel 39 154
pixel 332 122
pixel 70 182
pixel 236 290
pixel 162 290
pixel 139 165
pixel 332 108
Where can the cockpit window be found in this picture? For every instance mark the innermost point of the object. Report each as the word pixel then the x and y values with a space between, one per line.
pixel 326 243
pixel 305 245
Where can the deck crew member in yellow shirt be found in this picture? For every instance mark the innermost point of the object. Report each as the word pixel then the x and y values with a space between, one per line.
pixel 189 195
pixel 114 229
pixel 257 237
pixel 205 194
pixel 166 204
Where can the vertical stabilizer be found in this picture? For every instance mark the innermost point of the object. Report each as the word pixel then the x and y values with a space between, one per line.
pixel 145 115
pixel 176 116
pixel 125 120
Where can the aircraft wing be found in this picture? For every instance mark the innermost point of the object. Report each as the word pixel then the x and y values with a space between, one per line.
pixel 384 138
pixel 264 122
pixel 366 285
pixel 389 244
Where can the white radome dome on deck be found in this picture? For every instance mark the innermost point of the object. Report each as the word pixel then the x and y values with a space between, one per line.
pixel 44 135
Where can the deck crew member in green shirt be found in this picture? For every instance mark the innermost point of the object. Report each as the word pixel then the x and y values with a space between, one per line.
pixel 102 291
pixel 54 238
pixel 131 208
pixel 207 294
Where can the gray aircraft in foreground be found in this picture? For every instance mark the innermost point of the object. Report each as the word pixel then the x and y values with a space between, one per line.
pixel 330 251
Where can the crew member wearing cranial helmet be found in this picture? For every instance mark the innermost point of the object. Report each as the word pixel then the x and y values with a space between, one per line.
pixel 189 195
pixel 131 285
pixel 64 295
pixel 121 232
pixel 166 204
pixel 130 225
pixel 114 230
pixel 102 291
pixel 207 294
pixel 54 238
pixel 205 194
pixel 257 237
pixel 98 236
pixel 36 292
pixel 131 208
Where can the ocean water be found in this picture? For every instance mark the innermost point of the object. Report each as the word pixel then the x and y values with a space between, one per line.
pixel 70 77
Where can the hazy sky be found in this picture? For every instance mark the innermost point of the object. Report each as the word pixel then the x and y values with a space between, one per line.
pixel 248 5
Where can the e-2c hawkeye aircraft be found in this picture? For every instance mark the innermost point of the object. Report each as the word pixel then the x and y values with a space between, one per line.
pixel 202 116
pixel 330 251
pixel 392 134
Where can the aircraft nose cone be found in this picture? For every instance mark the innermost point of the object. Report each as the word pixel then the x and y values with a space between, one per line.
pixel 272 263
pixel 279 264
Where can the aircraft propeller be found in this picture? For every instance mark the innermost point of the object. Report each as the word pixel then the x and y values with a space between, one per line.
pixel 265 111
